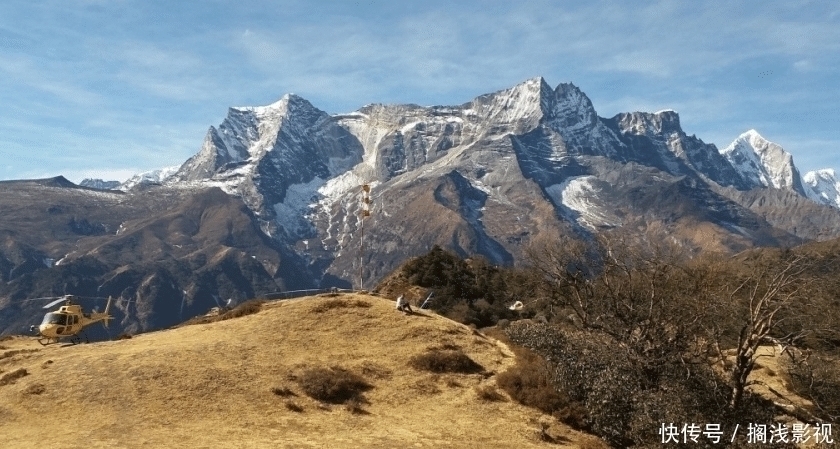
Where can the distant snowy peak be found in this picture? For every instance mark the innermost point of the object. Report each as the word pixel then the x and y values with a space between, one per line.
pixel 158 176
pixel 763 163
pixel 823 187
pixel 99 184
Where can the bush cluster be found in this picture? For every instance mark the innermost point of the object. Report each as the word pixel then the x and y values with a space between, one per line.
pixel 530 382
pixel 12 376
pixel 626 400
pixel 469 291
pixel 336 303
pixel 489 393
pixel 334 385
pixel 445 361
pixel 249 307
pixel 818 379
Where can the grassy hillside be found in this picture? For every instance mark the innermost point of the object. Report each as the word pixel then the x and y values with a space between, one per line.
pixel 243 383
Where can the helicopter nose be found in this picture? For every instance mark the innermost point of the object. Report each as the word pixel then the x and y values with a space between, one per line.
pixel 48 330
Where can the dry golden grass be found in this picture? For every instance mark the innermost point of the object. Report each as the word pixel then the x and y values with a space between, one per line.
pixel 234 383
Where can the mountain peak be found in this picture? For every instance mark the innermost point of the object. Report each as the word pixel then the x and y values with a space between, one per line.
pixel 822 187
pixel 763 162
pixel 533 89
pixel 285 104
pixel 518 108
pixel 754 137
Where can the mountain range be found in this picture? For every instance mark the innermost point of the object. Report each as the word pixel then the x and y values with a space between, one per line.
pixel 273 199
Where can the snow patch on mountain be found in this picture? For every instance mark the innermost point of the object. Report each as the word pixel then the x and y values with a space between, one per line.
pixel 291 213
pixel 822 186
pixel 579 195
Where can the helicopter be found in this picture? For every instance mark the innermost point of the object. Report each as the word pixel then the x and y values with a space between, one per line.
pixel 68 321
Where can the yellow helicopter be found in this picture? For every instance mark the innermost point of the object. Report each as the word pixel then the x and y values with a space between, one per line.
pixel 68 321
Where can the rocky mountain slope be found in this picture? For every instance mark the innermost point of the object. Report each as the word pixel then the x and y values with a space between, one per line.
pixel 167 254
pixel 488 177
pixel 240 383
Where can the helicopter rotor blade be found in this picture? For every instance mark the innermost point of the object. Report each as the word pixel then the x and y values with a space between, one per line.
pixel 57 301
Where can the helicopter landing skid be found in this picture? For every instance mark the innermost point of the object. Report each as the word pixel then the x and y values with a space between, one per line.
pixel 47 341
pixel 76 339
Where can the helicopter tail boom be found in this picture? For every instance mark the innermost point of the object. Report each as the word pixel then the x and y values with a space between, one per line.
pixel 105 316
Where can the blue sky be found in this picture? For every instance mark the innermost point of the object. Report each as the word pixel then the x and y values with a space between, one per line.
pixel 108 88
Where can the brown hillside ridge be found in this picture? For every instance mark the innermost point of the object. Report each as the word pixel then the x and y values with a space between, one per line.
pixel 250 382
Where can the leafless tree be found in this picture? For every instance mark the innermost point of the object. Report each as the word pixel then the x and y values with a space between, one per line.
pixel 768 291
pixel 641 291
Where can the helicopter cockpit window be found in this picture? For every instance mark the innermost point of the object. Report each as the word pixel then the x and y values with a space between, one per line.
pixel 55 318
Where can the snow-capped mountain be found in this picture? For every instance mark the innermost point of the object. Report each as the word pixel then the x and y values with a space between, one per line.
pixel 501 155
pixel 100 184
pixel 767 164
pixel 657 139
pixel 763 163
pixel 265 154
pixel 271 200
pixel 150 177
pixel 823 187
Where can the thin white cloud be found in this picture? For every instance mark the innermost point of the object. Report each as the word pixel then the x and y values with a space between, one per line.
pixel 112 72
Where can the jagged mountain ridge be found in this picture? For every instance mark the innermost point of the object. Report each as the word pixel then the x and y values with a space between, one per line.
pixel 528 138
pixel 489 177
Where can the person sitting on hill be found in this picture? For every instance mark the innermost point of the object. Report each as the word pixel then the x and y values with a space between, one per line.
pixel 403 305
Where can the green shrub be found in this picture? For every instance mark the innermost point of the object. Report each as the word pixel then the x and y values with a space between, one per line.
pixel 445 361
pixel 469 291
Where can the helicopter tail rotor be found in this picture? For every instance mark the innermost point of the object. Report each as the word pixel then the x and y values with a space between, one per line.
pixel 107 312
pixel 105 316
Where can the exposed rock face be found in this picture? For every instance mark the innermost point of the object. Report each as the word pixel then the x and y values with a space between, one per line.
pixel 99 184
pixel 489 177
pixel 763 163
pixel 658 140
pixel 166 254
pixel 258 153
